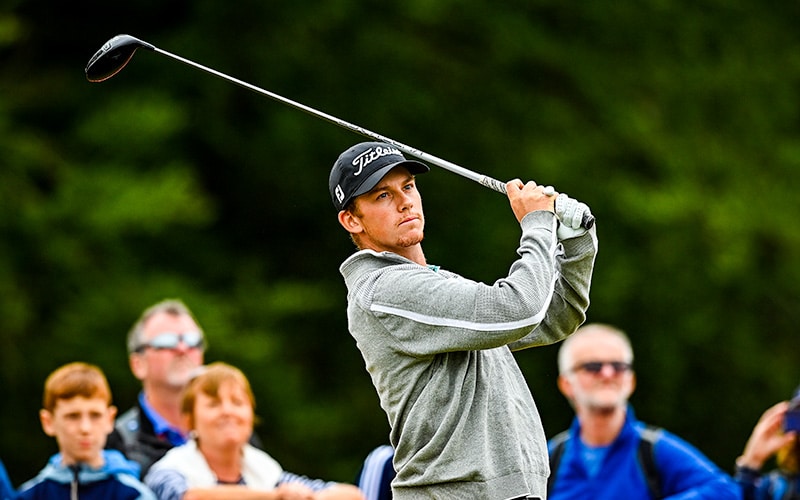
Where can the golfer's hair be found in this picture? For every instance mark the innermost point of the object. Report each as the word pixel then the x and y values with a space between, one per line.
pixel 565 351
pixel 73 380
pixel 174 307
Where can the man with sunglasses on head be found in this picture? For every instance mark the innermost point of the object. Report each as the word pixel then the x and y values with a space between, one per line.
pixel 607 453
pixel 165 347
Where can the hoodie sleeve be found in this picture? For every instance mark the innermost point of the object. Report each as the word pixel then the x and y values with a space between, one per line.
pixel 431 312
pixel 570 300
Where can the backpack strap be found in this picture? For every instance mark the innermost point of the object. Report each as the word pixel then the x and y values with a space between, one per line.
pixel 645 454
pixel 647 458
pixel 791 492
pixel 559 444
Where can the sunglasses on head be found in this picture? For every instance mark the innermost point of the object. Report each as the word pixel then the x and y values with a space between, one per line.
pixel 171 340
pixel 596 367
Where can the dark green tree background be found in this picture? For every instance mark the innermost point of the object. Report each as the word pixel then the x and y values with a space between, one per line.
pixel 678 122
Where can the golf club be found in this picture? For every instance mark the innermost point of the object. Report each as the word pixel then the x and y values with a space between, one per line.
pixel 118 51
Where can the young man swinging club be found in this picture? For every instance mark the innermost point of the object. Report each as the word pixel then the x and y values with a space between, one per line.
pixel 439 346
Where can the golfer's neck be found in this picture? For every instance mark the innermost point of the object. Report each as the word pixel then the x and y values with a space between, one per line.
pixel 415 253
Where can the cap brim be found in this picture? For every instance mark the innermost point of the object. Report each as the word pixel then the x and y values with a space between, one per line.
pixel 370 182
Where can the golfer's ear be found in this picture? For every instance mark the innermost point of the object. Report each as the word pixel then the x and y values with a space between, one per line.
pixel 350 222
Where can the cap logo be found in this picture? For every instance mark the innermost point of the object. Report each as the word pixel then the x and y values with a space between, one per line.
pixel 371 155
pixel 339 193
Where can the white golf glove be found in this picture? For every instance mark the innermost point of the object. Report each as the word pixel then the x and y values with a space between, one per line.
pixel 570 213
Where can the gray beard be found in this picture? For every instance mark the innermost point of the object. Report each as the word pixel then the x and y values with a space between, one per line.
pixel 603 410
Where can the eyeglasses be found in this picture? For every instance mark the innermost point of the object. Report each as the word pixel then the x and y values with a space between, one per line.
pixel 171 340
pixel 595 367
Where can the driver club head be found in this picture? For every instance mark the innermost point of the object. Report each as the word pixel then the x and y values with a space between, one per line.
pixel 113 56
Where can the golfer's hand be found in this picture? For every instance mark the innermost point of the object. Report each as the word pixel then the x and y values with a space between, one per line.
pixel 529 197
pixel 570 213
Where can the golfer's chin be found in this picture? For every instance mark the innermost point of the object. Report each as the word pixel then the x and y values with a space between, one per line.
pixel 411 239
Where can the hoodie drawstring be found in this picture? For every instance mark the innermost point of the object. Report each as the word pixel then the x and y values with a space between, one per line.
pixel 73 490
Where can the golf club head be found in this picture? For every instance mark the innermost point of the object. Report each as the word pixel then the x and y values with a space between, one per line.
pixel 113 56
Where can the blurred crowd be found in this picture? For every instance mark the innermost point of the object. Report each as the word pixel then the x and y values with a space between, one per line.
pixel 191 432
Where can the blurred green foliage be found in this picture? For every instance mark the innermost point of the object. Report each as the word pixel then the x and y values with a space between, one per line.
pixel 677 122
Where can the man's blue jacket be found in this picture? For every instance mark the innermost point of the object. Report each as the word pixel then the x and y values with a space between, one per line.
pixel 684 472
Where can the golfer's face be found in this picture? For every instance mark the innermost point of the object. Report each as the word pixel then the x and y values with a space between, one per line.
pixel 391 214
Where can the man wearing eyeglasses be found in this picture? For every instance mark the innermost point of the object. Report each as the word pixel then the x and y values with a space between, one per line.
pixel 607 453
pixel 165 347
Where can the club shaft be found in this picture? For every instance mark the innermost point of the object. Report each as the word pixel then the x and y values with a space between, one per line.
pixel 484 180
pixel 469 174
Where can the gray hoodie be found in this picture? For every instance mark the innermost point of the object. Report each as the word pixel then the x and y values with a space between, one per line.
pixel 439 350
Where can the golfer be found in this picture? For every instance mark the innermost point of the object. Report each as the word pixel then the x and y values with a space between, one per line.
pixel 439 346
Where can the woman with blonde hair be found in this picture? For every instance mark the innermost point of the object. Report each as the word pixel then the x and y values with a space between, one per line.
pixel 218 462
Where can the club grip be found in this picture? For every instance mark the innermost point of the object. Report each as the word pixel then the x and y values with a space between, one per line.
pixel 586 223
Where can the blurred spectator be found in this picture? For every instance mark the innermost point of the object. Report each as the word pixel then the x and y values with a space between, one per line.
pixel 219 408
pixel 609 454
pixel 77 412
pixel 377 472
pixel 769 440
pixel 165 346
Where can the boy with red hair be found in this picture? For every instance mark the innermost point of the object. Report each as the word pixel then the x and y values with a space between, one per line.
pixel 77 412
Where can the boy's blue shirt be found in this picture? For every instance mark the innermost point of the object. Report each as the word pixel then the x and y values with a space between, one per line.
pixel 117 478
